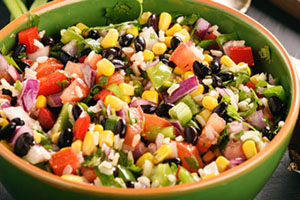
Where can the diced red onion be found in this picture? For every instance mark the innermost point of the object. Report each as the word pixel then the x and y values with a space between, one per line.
pixel 202 28
pixel 29 94
pixel 45 51
pixel 236 161
pixel 271 79
pixel 121 114
pixel 37 154
pixel 19 131
pixel 159 140
pixel 14 73
pixel 173 146
pixel 151 64
pixel 71 48
pixel 234 127
pixel 152 148
pixel 6 104
pixel 3 63
pixel 139 102
pixel 148 85
pixel 177 124
pixel 89 75
pixel 139 150
pixel 232 43
pixel 54 100
pixel 106 149
pixel 185 87
pixel 14 112
pixel 108 110
pixel 257 119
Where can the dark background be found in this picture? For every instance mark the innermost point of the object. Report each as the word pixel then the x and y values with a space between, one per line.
pixel 283 184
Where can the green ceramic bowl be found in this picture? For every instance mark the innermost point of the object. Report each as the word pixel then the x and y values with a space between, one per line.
pixel 24 181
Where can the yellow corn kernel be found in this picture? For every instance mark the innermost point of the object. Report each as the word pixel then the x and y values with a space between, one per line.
pixel 144 18
pixel 249 148
pixel 41 102
pixel 265 139
pixel 165 20
pixel 188 28
pixel 208 156
pixel 205 63
pixel 106 137
pixel 114 102
pixel 148 55
pixel 208 58
pixel 37 137
pixel 77 145
pixel 199 90
pixel 161 153
pixel 81 26
pixel 249 70
pixel 209 102
pixel 209 176
pixel 74 178
pixel 178 71
pixel 3 122
pixel 206 52
pixel 205 114
pixel 150 95
pixel 188 74
pixel 146 156
pixel 105 67
pixel 6 145
pixel 111 39
pixel 88 145
pixel 222 163
pixel 159 48
pixel 226 60
pixel 168 41
pixel 253 79
pixel 127 99
pixel 133 30
pixel 76 29
pixel 54 137
pixel 174 29
pixel 185 35
pixel 126 89
pixel 98 128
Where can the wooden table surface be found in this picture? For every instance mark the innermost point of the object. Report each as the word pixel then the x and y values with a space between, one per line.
pixel 283 184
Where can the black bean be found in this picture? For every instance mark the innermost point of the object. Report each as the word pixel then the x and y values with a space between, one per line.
pixel 191 135
pixel 217 82
pixel 22 64
pixel 275 105
pixel 139 43
pixel 93 34
pixel 65 138
pixel 110 53
pixel 103 121
pixel 175 41
pixel 23 144
pixel 6 92
pixel 13 101
pixel 201 70
pixel 129 184
pixel 227 118
pixel 153 22
pixel 150 109
pixel 85 52
pixel 168 62
pixel 20 49
pixel 48 41
pixel 7 131
pixel 119 64
pixel 215 66
pixel 121 128
pixel 177 161
pixel 226 76
pixel 76 111
pixel 64 57
pixel 119 51
pixel 221 109
pixel 163 109
pixel 115 172
pixel 266 131
pixel 18 121
pixel 126 40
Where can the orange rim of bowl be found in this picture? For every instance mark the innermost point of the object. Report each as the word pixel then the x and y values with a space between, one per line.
pixel 226 176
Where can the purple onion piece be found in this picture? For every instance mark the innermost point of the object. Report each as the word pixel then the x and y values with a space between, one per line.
pixel 29 94
pixel 14 73
pixel 202 28
pixel 185 87
pixel 3 63
pixel 256 119
pixel 4 105
pixel 121 113
pixel 45 51
pixel 177 125
pixel 89 75
pixel 271 79
pixel 139 102
pixel 71 48
pixel 139 150
pixel 108 110
pixel 19 131
pixel 148 85
pixel 54 100
pixel 236 161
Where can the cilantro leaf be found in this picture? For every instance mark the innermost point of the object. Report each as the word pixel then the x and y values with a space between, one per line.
pixel 192 162
pixel 264 53
pixel 103 80
pixel 3 50
pixel 33 20
pixel 63 84
pixel 223 140
pixel 241 78
pixel 12 62
pixel 190 19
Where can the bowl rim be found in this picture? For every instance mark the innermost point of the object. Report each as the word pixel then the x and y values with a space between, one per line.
pixel 226 176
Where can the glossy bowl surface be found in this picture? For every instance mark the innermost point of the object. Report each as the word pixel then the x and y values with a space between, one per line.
pixel 25 181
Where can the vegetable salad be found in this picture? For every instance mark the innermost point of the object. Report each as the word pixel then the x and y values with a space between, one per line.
pixel 163 100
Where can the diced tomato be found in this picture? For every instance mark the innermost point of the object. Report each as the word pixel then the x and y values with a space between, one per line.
pixel 93 58
pixel 74 68
pixel 27 37
pixel 103 94
pixel 241 54
pixel 48 67
pixel 151 119
pixel 203 144
pixel 75 92
pixel 185 55
pixel 62 158
pixel 186 150
pixel 216 122
pixel 50 84
pixel 46 118
pixel 89 174
pixel 210 36
pixel 250 85
pixel 116 78
pixel 81 125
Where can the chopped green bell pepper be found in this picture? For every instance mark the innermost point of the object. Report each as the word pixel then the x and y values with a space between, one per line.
pixel 62 121
pixel 158 74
